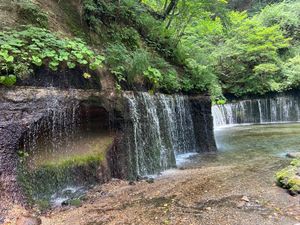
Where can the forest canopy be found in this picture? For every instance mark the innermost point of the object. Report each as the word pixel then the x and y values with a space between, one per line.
pixel 242 53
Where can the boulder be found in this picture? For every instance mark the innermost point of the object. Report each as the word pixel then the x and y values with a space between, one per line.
pixel 293 155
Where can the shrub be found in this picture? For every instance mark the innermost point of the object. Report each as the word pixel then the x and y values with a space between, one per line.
pixel 139 64
pixel 250 50
pixel 8 80
pixel 118 60
pixel 201 76
pixel 170 81
pixel 125 35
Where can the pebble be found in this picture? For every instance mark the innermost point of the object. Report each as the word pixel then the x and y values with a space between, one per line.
pixel 245 198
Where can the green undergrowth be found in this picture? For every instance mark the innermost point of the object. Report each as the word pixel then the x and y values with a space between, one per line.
pixel 289 177
pixel 42 181
pixel 23 51
pixel 130 59
pixel 140 51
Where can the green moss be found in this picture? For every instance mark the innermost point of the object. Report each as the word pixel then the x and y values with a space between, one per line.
pixel 43 205
pixel 74 202
pixel 295 162
pixel 41 182
pixel 288 178
pixel 76 161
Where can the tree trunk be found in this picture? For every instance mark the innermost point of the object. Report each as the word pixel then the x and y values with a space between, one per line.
pixel 170 8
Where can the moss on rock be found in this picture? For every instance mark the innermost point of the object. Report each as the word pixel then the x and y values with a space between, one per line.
pixel 289 178
pixel 41 182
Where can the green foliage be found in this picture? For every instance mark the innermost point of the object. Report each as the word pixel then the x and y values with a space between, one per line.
pixel 126 56
pixel 96 11
pixel 125 35
pixel 140 66
pixel 118 60
pixel 124 64
pixel 244 53
pixel 139 63
pixel 291 71
pixel 8 80
pixel 251 6
pixel 154 76
pixel 201 75
pixel 248 61
pixel 32 13
pixel 170 82
pixel 286 14
pixel 23 51
pixel 221 102
pixel 214 49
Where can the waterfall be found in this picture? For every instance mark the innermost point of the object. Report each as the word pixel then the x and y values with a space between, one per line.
pixel 281 108
pixel 160 128
pixel 58 128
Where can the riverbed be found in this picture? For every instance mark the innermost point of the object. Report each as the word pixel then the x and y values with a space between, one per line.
pixel 236 185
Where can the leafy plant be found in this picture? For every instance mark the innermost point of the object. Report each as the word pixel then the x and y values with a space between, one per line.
pixel 23 51
pixel 213 49
pixel 154 77
pixel 8 80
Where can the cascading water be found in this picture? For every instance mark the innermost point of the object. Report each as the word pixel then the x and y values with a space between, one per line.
pixel 63 151
pixel 162 128
pixel 67 140
pixel 53 133
pixel 282 108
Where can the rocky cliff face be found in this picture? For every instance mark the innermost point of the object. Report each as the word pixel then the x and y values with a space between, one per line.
pixel 22 111
pixel 187 126
pixel 203 123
